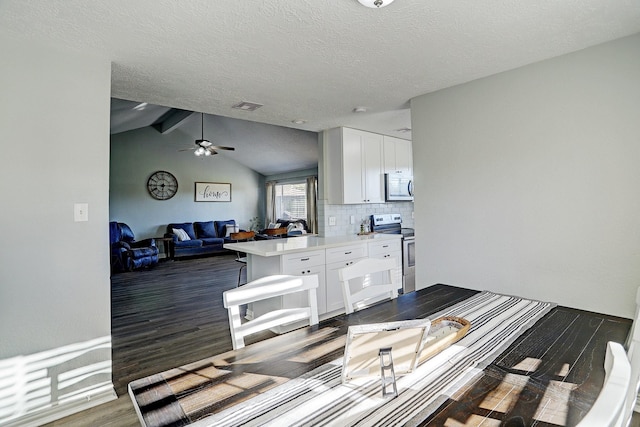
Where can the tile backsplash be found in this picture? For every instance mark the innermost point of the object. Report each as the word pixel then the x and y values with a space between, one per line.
pixel 343 213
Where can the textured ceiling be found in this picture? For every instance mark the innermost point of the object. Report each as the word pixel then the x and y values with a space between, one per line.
pixel 309 59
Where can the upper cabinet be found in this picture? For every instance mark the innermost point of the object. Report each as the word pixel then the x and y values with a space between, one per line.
pixel 398 156
pixel 354 166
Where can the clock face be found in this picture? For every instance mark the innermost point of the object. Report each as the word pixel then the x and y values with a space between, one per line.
pixel 162 185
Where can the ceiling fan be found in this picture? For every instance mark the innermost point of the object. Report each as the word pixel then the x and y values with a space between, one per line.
pixel 204 147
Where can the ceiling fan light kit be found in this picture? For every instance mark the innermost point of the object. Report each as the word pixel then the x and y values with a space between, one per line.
pixel 205 147
pixel 375 4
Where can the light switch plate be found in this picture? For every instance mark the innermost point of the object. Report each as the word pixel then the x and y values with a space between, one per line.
pixel 332 220
pixel 81 212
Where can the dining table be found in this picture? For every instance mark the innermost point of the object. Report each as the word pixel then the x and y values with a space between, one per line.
pixel 523 363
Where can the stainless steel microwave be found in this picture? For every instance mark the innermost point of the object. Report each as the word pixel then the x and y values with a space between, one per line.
pixel 398 187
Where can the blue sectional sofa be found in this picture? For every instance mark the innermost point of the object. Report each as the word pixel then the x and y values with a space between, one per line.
pixel 201 238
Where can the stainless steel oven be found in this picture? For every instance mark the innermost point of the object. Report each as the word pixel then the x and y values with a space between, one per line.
pixel 392 224
pixel 408 264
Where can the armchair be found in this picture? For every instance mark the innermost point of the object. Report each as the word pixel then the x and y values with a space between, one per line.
pixel 126 253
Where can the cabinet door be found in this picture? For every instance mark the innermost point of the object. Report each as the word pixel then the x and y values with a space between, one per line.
pixel 353 176
pixel 398 156
pixel 384 250
pixel 372 168
pixel 335 299
pixel 298 299
pixel 404 157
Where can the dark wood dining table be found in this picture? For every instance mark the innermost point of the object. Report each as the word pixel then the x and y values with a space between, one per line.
pixel 549 376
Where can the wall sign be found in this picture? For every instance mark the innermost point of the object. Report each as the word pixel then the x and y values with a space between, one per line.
pixel 213 192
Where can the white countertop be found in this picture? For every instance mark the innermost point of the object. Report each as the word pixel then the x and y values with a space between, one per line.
pixel 275 247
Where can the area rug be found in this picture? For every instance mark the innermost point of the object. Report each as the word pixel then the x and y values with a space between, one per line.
pixel 320 399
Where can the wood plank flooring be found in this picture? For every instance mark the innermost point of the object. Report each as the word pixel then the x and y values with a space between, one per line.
pixel 172 315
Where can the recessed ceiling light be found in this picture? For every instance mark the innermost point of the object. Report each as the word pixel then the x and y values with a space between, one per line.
pixel 247 106
pixel 299 121
pixel 360 110
pixel 403 130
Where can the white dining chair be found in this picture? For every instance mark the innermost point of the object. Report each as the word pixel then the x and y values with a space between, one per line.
pixel 264 288
pixel 609 408
pixel 358 286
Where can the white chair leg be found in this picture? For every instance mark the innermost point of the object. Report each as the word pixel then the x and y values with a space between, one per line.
pixel 237 340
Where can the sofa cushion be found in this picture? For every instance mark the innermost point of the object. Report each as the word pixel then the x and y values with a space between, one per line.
pixel 193 243
pixel 204 229
pixel 210 241
pixel 221 227
pixel 186 226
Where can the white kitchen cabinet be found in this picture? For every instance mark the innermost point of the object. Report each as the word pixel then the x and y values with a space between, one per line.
pixel 387 249
pixel 398 156
pixel 355 170
pixel 338 258
pixel 305 263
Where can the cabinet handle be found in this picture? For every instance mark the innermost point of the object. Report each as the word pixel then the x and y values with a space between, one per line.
pixel 304 259
pixel 385 246
pixel 347 253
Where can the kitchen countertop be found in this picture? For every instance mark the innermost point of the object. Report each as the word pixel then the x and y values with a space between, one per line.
pixel 275 247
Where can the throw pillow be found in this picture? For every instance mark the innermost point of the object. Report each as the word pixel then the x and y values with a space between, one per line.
pixel 231 229
pixel 182 235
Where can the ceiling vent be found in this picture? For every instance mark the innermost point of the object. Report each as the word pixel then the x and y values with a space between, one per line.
pixel 247 106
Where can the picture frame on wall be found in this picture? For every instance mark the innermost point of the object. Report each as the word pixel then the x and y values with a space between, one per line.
pixel 213 192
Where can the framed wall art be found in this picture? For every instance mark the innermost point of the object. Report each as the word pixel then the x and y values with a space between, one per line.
pixel 213 192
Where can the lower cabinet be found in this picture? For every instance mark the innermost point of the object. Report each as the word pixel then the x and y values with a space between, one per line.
pixel 388 249
pixel 305 263
pixel 325 263
pixel 338 258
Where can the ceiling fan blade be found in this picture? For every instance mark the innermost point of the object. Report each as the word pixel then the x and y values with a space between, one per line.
pixel 187 149
pixel 220 147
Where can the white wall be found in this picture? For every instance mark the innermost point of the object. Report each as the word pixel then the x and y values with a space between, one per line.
pixel 136 154
pixel 54 272
pixel 528 181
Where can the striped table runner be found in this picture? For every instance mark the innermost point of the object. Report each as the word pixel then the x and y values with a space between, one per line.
pixel 319 398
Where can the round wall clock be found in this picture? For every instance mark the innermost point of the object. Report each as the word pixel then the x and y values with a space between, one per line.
pixel 162 185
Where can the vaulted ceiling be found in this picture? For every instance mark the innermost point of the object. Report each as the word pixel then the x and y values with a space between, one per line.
pixel 312 61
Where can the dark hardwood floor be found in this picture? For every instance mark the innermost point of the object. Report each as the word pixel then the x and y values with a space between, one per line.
pixel 170 315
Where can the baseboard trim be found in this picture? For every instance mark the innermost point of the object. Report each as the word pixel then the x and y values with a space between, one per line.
pixel 58 411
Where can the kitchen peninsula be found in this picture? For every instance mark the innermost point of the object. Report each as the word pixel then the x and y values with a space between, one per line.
pixel 323 256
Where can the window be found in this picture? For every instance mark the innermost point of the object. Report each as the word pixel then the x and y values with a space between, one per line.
pixel 291 200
